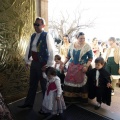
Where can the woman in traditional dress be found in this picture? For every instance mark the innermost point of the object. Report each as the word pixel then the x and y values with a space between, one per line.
pixel 95 47
pixel 96 50
pixel 113 61
pixel 80 57
pixel 103 49
pixel 64 48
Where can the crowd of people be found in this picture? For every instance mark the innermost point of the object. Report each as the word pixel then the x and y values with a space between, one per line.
pixel 90 73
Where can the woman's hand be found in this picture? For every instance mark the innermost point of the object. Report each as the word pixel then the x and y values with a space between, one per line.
pixel 63 65
pixel 27 66
pixel 85 68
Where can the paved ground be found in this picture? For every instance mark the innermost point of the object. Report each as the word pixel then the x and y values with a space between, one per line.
pixel 112 111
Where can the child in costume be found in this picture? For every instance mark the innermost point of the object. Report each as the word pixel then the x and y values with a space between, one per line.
pixel 99 83
pixel 59 66
pixel 53 101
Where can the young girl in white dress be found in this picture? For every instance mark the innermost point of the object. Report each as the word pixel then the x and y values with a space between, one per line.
pixel 53 101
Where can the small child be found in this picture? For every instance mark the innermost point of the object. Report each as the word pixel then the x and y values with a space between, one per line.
pixel 53 101
pixel 99 83
pixel 59 66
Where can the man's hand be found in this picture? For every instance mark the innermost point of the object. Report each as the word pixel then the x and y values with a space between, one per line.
pixel 44 68
pixel 27 66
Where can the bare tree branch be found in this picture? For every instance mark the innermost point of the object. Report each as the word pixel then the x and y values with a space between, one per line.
pixel 67 26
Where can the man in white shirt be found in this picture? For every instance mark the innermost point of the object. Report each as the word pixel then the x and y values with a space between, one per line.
pixel 39 54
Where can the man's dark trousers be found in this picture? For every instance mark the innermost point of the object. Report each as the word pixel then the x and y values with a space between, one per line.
pixel 35 77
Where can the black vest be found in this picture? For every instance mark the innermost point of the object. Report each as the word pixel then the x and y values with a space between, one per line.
pixel 42 50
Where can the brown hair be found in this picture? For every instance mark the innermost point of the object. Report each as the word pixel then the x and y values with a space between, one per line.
pixel 103 43
pixel 57 57
pixel 51 71
pixel 65 35
pixel 94 39
pixel 79 34
pixel 100 60
pixel 112 39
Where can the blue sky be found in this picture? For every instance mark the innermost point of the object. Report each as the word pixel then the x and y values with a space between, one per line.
pixel 105 12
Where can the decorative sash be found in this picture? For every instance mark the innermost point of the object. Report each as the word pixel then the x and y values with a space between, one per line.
pixel 35 56
pixel 52 86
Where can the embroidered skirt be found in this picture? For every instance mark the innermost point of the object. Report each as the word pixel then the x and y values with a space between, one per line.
pixel 75 88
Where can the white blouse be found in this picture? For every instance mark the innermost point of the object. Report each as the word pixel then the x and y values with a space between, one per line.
pixel 34 48
pixel 111 52
pixel 57 67
pixel 97 77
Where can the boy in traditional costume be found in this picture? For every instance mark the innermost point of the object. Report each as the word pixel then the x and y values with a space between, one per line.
pixel 99 83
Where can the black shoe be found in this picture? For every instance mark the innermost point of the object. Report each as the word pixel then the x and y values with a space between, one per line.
pixel 97 107
pixel 25 106
pixel 57 117
pixel 41 112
